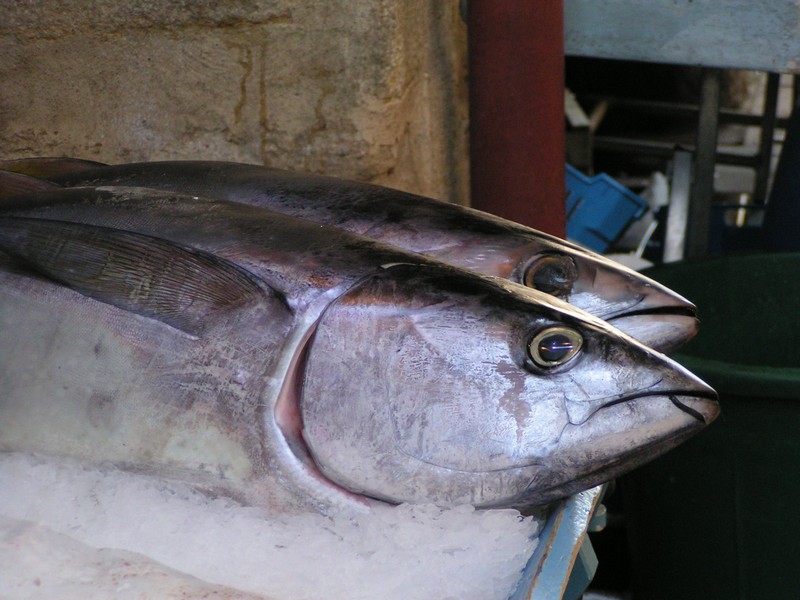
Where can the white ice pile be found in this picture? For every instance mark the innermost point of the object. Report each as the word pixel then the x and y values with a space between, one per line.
pixel 36 562
pixel 65 526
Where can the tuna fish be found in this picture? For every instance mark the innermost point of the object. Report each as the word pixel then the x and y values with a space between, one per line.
pixel 460 236
pixel 290 364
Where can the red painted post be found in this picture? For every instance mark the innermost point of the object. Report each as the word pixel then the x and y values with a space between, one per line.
pixel 516 95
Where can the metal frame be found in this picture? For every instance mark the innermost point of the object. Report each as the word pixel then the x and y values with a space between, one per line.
pixel 709 117
pixel 562 545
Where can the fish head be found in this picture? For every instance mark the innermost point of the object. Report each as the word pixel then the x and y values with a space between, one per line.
pixel 426 385
pixel 637 305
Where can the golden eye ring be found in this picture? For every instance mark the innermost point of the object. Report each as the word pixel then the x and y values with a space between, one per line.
pixel 555 346
pixel 553 274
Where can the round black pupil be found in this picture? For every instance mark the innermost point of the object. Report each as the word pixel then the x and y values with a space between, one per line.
pixel 551 278
pixel 554 348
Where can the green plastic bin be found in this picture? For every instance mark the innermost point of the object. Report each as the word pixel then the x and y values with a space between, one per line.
pixel 719 517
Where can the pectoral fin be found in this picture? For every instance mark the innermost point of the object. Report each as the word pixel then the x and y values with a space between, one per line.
pixel 17 184
pixel 49 167
pixel 178 285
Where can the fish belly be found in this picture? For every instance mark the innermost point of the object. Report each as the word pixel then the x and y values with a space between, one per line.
pixel 83 379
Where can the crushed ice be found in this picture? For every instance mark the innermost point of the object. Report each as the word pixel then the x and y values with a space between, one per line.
pixel 182 538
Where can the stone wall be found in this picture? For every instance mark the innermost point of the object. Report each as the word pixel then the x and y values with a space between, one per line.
pixel 373 90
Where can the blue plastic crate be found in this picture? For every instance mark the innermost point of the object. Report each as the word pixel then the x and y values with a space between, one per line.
pixel 599 209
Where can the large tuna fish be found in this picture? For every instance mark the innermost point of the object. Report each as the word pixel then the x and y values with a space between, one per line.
pixel 460 236
pixel 286 363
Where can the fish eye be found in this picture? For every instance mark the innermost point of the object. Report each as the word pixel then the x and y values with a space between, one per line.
pixel 554 346
pixel 552 274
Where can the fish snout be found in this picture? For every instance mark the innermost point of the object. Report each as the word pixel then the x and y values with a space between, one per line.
pixel 661 318
pixel 635 304
pixel 689 394
pixel 657 377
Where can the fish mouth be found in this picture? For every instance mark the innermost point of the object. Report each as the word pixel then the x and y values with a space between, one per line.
pixel 685 311
pixel 701 403
pixel 684 406
pixel 694 403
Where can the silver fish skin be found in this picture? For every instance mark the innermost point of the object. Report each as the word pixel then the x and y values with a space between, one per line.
pixel 293 365
pixel 460 236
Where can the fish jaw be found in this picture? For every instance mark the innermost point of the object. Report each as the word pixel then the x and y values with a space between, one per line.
pixel 424 421
pixel 664 332
pixel 622 452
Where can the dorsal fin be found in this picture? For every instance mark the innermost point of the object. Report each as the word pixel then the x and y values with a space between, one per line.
pixel 178 285
pixel 47 167
pixel 17 184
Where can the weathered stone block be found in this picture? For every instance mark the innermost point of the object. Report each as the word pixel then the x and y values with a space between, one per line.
pixel 372 90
